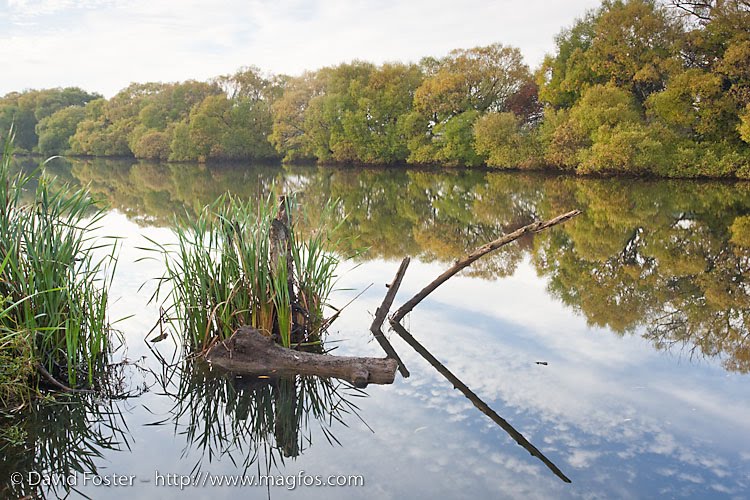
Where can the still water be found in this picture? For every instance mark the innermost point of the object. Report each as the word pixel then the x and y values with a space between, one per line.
pixel 617 343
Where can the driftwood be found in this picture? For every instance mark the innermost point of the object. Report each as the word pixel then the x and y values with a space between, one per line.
pixel 476 254
pixel 249 351
pixel 382 312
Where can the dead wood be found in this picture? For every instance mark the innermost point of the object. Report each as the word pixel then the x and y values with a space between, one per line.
pixel 250 352
pixel 382 312
pixel 476 254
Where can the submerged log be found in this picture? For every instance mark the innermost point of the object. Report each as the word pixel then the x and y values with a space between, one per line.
pixel 249 351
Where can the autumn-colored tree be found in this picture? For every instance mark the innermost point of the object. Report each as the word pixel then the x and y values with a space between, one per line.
pixel 504 142
pixel 288 133
pixel 633 44
pixel 461 87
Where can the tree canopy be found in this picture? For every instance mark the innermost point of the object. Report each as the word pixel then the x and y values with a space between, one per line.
pixel 633 86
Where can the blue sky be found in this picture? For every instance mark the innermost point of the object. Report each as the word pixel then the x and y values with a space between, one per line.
pixel 103 45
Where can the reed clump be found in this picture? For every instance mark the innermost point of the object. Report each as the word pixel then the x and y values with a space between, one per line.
pixel 241 262
pixel 54 283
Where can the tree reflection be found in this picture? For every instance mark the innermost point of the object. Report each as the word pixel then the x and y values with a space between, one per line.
pixel 666 268
pixel 662 259
pixel 60 441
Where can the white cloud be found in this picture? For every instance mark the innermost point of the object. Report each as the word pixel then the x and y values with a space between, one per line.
pixel 103 45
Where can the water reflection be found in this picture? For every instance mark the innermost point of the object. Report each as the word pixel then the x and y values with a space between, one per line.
pixel 662 259
pixel 253 419
pixel 60 442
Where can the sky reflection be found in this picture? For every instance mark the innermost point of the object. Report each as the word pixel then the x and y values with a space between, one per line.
pixel 622 419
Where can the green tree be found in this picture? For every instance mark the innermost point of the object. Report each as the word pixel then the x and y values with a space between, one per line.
pixel 153 145
pixel 504 142
pixel 603 131
pixel 633 44
pixel 695 105
pixel 208 124
pixel 373 127
pixel 55 130
pixel 744 127
pixel 460 88
pixel 288 132
pixel 25 109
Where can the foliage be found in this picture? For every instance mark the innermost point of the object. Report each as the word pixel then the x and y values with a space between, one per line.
pixel 52 277
pixel 504 142
pixel 226 272
pixel 460 88
pixel 55 131
pixel 687 86
pixel 666 85
pixel 695 105
pixel 632 44
pixel 23 111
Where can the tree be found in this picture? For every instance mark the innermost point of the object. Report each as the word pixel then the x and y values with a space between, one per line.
pixel 373 127
pixel 55 131
pixel 504 142
pixel 696 105
pixel 208 124
pixel 463 86
pixel 744 127
pixel 249 127
pixel 26 109
pixel 563 77
pixel 633 44
pixel 593 119
pixel 288 132
pixel 153 145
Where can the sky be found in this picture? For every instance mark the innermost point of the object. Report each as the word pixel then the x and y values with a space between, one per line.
pixel 104 45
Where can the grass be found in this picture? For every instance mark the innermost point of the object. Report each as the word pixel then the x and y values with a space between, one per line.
pixel 53 288
pixel 224 272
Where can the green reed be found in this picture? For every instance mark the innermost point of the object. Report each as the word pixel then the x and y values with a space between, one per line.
pixel 55 275
pixel 223 273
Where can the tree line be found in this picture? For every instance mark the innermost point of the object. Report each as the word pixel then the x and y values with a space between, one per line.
pixel 635 86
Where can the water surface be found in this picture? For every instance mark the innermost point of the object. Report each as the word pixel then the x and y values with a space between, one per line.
pixel 639 308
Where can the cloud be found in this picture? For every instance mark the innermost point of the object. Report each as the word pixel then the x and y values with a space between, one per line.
pixel 102 45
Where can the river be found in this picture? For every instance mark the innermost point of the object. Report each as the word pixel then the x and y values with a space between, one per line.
pixel 618 343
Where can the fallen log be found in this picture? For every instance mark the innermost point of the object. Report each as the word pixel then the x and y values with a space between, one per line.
pixel 250 352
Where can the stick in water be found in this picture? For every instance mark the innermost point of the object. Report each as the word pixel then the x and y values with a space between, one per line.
pixel 476 254
pixel 382 312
